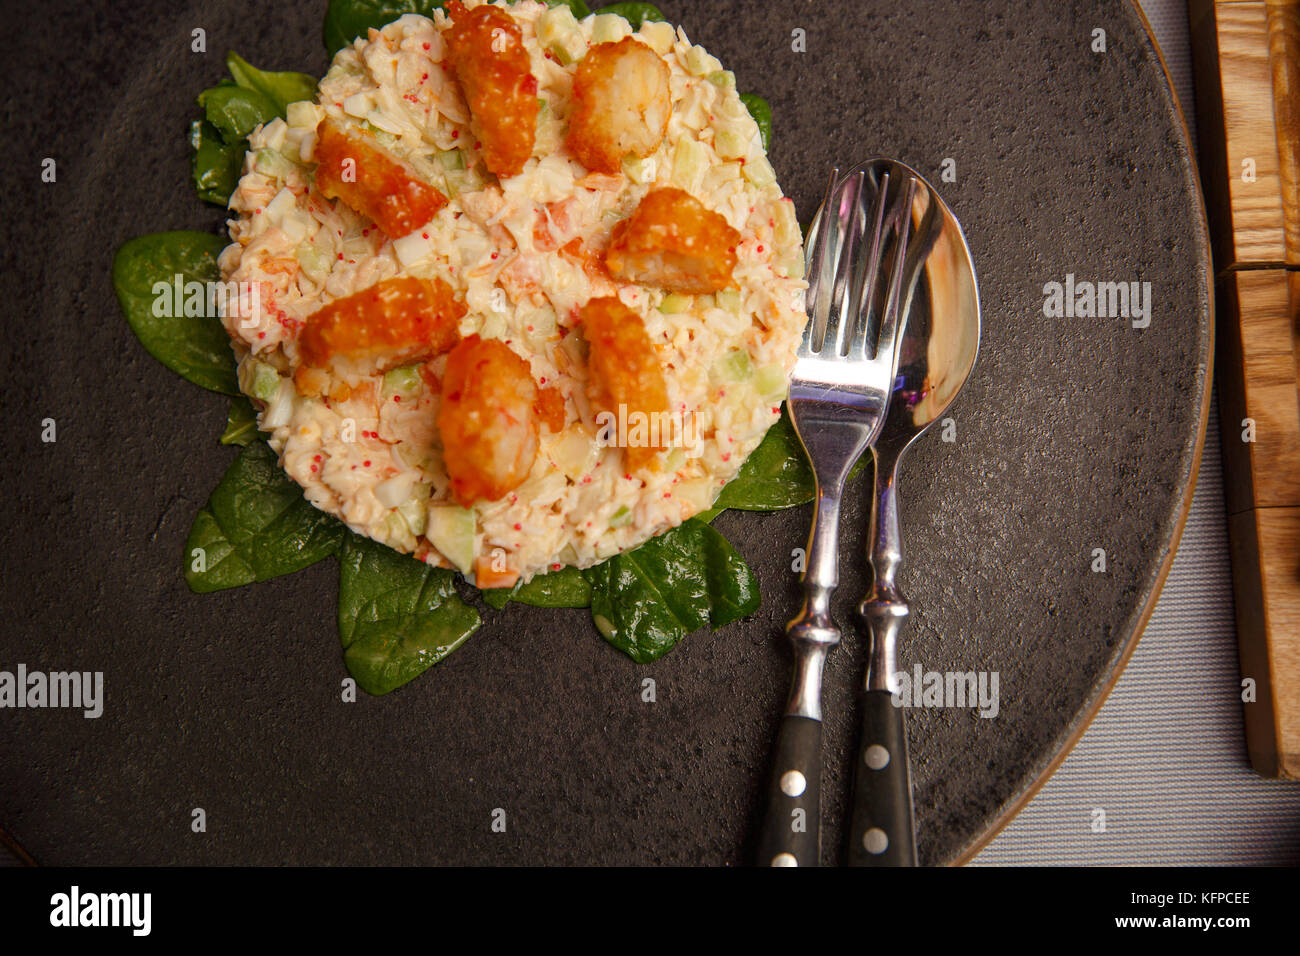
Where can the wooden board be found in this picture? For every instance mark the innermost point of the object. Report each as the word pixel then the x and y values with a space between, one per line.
pixel 1248 82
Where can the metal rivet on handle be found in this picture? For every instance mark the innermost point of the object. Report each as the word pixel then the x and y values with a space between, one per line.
pixel 793 783
pixel 877 757
pixel 875 841
pixel 784 859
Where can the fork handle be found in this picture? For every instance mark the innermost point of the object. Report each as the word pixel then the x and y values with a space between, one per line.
pixel 881 830
pixel 791 828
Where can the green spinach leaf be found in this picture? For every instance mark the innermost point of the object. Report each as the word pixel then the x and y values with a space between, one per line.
pixel 564 588
pixel 644 602
pixel 761 110
pixel 776 476
pixel 241 423
pixel 232 110
pixel 256 526
pixel 236 111
pixel 144 277
pixel 397 616
pixel 280 89
pixel 214 166
pixel 635 13
pixel 345 20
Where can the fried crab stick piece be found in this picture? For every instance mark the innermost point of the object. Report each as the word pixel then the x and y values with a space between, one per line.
pixel 375 183
pixel 621 105
pixel 626 377
pixel 673 242
pixel 489 420
pixel 397 322
pixel 486 53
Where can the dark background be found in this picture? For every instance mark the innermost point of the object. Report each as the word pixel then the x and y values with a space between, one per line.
pixel 1072 435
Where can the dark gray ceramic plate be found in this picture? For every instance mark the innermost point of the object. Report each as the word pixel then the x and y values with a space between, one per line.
pixel 1074 434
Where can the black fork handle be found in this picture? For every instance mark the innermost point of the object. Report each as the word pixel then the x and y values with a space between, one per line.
pixel 792 826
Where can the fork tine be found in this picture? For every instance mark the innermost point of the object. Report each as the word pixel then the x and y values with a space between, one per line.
pixel 885 344
pixel 869 267
pixel 922 244
pixel 815 331
pixel 838 324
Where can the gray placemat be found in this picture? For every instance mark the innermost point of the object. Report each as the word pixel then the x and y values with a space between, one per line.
pixel 1166 757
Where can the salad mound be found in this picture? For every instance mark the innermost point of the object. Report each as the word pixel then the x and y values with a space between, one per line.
pixel 362 307
pixel 529 293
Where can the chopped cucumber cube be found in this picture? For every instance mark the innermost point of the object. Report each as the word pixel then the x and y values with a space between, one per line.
pixel 312 260
pixel 402 381
pixel 451 530
pixel 734 367
pixel 674 304
pixel 771 383
pixel 302 115
pixel 787 224
pixel 702 63
pixel 609 28
pixel 640 171
pixel 279 410
pixel 557 30
pixel 660 35
pixel 264 381
pixel 731 143
pixel 415 510
pixel 728 300
pixel 759 172
pixel 270 162
pixel 690 160
pixel 399 532
pixel 463 181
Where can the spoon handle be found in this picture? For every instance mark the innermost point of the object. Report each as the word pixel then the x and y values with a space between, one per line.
pixel 881 831
pixel 881 828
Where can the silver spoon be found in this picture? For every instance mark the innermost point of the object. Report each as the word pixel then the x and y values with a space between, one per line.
pixel 936 355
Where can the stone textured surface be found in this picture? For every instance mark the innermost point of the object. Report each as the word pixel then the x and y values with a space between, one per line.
pixel 1072 435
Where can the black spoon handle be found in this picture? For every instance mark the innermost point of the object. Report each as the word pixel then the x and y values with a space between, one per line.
pixel 881 831
pixel 791 828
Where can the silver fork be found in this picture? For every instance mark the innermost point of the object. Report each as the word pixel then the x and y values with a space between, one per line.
pixel 839 394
